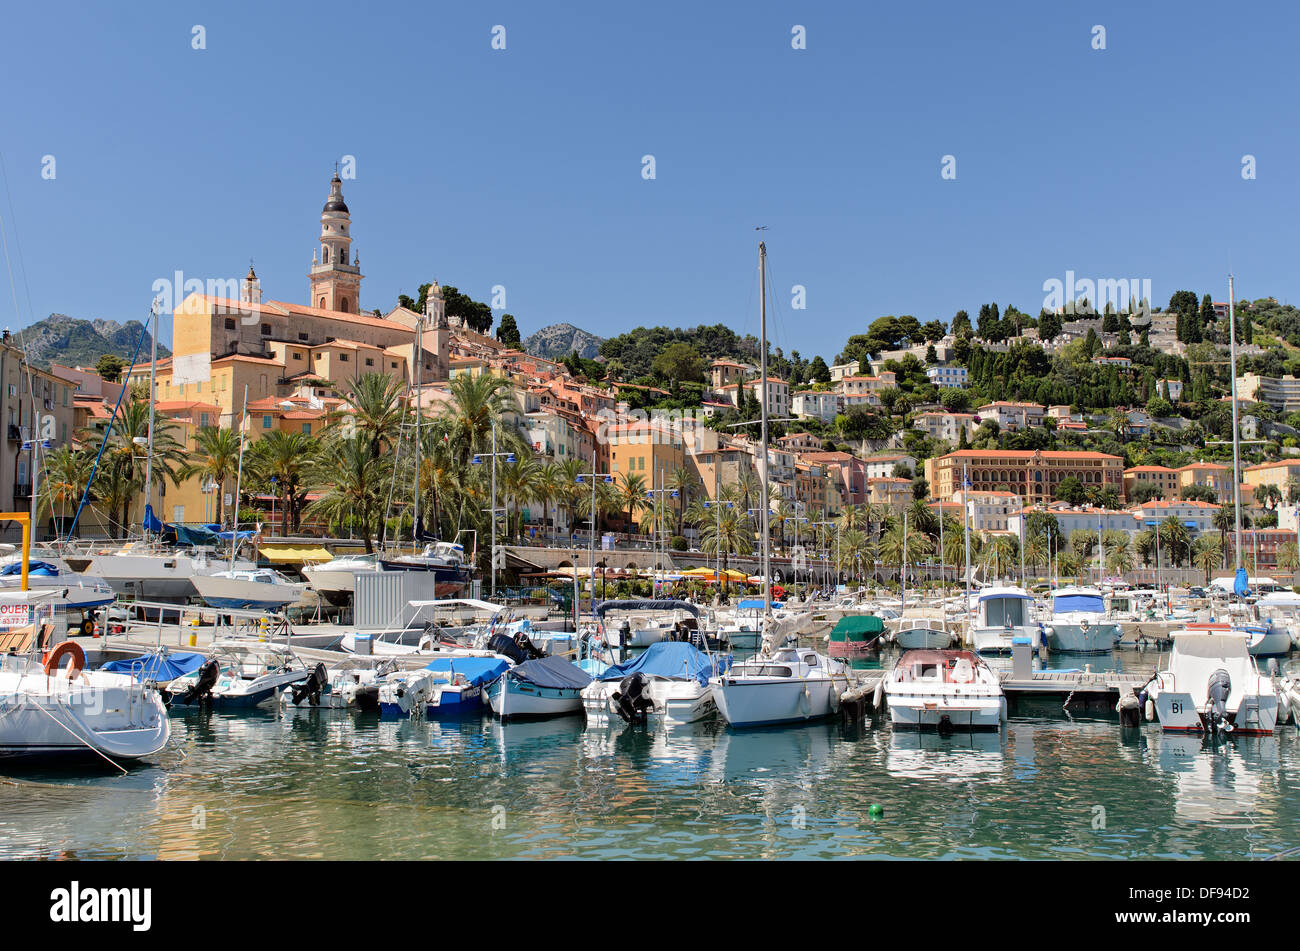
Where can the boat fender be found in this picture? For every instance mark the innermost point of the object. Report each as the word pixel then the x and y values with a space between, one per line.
pixel 878 696
pixel 1129 710
pixel 66 649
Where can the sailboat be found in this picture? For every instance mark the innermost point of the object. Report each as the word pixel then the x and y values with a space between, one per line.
pixel 779 684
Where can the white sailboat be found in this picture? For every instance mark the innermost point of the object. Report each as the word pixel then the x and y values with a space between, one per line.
pixel 778 685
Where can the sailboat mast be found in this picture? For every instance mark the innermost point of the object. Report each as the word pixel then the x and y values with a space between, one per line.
pixel 153 368
pixel 762 400
pixel 1236 452
pixel 239 478
pixel 419 359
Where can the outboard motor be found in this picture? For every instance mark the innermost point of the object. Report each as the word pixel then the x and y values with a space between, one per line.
pixel 311 687
pixel 1220 688
pixel 630 698
pixel 367 698
pixel 201 689
pixel 505 645
pixel 531 650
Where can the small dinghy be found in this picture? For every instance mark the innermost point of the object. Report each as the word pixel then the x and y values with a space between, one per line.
pixel 543 687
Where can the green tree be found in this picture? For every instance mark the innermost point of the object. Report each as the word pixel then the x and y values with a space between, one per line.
pixel 110 367
pixel 508 331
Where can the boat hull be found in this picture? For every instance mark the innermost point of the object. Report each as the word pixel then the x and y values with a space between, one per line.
pixel 676 703
pixel 511 699
pixel 924 639
pixel 1178 713
pixel 960 713
pixel 1275 643
pixel 76 720
pixel 1070 638
pixel 999 640
pixel 755 702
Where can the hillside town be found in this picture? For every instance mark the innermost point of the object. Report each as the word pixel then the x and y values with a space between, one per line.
pixel 856 444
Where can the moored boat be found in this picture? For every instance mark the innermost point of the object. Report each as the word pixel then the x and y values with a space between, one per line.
pixel 668 685
pixel 1212 684
pixel 1001 616
pixel 248 589
pixel 445 687
pixel 855 637
pixel 543 687
pixel 1079 624
pixel 944 690
pixel 790 685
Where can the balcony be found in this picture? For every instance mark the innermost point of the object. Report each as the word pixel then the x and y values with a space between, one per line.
pixel 15 433
pixel 22 490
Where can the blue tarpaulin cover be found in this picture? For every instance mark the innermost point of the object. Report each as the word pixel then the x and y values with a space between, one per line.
pixel 159 667
pixel 33 568
pixel 477 670
pixel 755 604
pixel 555 672
pixel 675 660
pixel 1078 602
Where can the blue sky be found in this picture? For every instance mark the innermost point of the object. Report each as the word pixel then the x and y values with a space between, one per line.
pixel 522 167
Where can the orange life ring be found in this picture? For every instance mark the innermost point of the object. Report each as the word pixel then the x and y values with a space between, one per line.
pixel 66 649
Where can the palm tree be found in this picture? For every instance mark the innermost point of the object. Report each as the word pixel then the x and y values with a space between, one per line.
pixel 1037 550
pixel 519 484
pixel 1144 543
pixel 358 483
pixel 1001 553
pixel 631 493
pixel 1224 520
pixel 683 482
pixel 283 462
pixel 570 488
pixel 727 534
pixel 1119 560
pixel 1207 554
pixel 1288 557
pixel 477 404
pixel 216 460
pixel 1175 539
pixel 126 463
pixel 67 473
pixel 895 541
pixel 376 410
pixel 439 478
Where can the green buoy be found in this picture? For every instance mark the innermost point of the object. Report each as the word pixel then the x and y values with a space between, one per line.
pixel 876 810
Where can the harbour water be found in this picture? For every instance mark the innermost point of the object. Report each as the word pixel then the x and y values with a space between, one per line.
pixel 332 785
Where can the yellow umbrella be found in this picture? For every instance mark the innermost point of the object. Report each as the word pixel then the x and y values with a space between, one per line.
pixel 698 573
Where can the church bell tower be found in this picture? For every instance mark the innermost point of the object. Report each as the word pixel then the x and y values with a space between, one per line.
pixel 335 278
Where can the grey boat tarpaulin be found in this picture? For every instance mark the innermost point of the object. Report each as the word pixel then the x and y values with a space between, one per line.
pixel 554 672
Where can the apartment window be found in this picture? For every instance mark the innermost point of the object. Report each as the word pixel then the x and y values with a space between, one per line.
pixel 394 366
pixel 370 362
pixel 318 356
pixel 266 421
pixel 297 356
pixel 306 429
pixel 302 336
pixel 178 513
pixel 343 358
pixel 203 420
pixel 266 330
pixel 230 323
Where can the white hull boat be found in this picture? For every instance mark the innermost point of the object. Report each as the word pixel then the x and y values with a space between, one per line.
pixel 336 580
pixel 157 576
pixel 1001 616
pixel 944 690
pixel 239 674
pixel 260 589
pixel 792 685
pixel 89 712
pixel 1212 684
pixel 666 686
pixel 919 633
pixel 547 687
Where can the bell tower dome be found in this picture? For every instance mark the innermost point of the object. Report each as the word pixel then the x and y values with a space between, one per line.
pixel 336 277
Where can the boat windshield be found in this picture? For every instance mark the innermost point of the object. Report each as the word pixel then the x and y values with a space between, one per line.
pixel 1004 612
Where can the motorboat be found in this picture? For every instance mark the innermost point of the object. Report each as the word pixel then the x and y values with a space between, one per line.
pixel 336 580
pixel 1265 637
pixel 1079 624
pixel 855 637
pixel 76 591
pixel 1000 616
pixel 55 707
pixel 352 685
pixel 1213 684
pixel 445 560
pixel 159 668
pixel 248 589
pixel 925 630
pixel 149 573
pixel 944 690
pixel 542 687
pixel 446 687
pixel 787 685
pixel 238 674
pixel 443 623
pixel 667 685
pixel 743 628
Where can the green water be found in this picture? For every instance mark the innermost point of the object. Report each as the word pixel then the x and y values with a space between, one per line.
pixel 331 785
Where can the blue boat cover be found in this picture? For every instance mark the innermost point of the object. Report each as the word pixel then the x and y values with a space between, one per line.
pixel 159 667
pixel 675 660
pixel 190 534
pixel 477 670
pixel 151 522
pixel 555 672
pixel 227 536
pixel 755 604
pixel 33 568
pixel 1090 603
